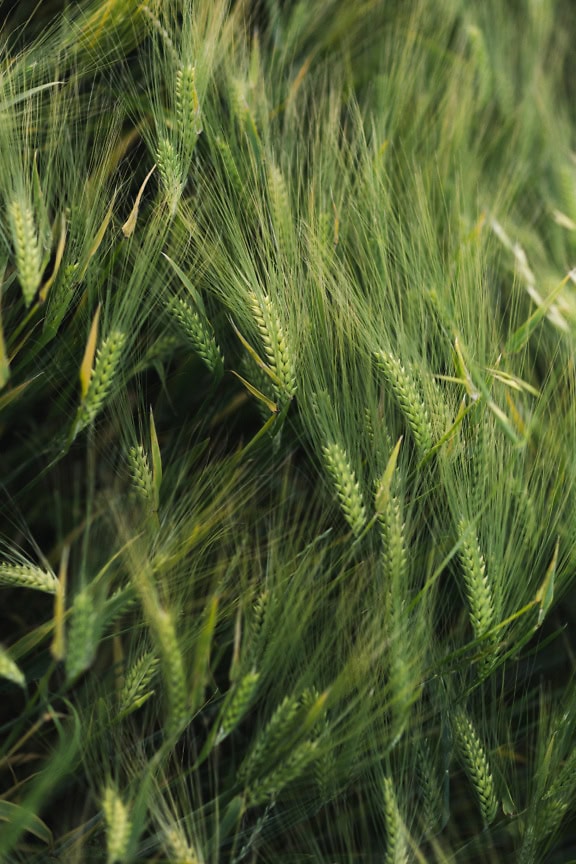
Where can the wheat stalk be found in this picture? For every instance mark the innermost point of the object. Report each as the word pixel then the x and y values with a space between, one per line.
pixel 118 826
pixel 477 766
pixel 409 399
pixel 26 247
pixel 346 485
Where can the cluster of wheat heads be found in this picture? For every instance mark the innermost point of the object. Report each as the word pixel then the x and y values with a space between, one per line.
pixel 287 432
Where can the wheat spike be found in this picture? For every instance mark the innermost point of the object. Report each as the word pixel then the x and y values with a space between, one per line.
pixel 396 846
pixel 275 344
pixel 280 207
pixel 409 399
pixel 187 109
pixel 105 368
pixel 26 248
pixel 82 635
pixel 347 486
pixel 118 826
pixel 141 473
pixel 60 297
pixel 136 688
pixel 181 852
pixel 9 670
pixel 274 738
pixel 171 173
pixel 199 333
pixel 238 703
pixel 231 169
pixel 394 558
pixel 27 576
pixel 476 765
pixel 173 669
pixel 289 770
pixel 478 588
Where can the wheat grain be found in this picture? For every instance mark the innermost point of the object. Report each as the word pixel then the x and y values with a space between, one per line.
pixel 346 485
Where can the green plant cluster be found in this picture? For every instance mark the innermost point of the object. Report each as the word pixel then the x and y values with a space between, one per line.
pixel 288 432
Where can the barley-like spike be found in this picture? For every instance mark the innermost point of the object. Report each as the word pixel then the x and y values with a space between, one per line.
pixel 409 399
pixel 289 770
pixel 83 635
pixel 141 473
pixel 187 109
pixel 26 248
pixel 430 788
pixel 118 826
pixel 347 486
pixel 275 344
pixel 478 588
pixel 105 368
pixel 181 852
pixel 394 558
pixel 560 796
pixel 136 689
pixel 199 333
pixel 280 207
pixel 173 669
pixel 27 576
pixel 477 766
pixel 231 169
pixel 60 297
pixel 237 704
pixel 9 670
pixel 171 173
pixel 396 846
pixel 273 739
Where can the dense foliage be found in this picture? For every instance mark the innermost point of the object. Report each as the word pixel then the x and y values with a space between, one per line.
pixel 288 431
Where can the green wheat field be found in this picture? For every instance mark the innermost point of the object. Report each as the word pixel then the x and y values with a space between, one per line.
pixel 288 432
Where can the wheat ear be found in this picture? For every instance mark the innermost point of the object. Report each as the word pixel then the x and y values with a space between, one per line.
pixel 83 635
pixel 181 852
pixel 163 628
pixel 273 739
pixel 141 474
pixel 171 173
pixel 9 670
pixel 101 379
pixel 27 576
pixel 276 347
pixel 199 333
pixel 476 765
pixel 237 704
pixel 409 399
pixel 136 688
pixel 26 248
pixel 478 588
pixel 118 826
pixel 289 770
pixel 187 109
pixel 346 485
pixel 396 846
